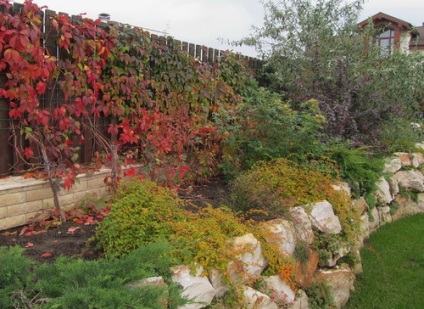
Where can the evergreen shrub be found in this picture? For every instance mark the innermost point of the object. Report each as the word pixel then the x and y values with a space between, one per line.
pixel 264 128
pixel 74 284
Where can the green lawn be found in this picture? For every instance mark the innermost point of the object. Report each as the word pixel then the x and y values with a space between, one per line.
pixel 393 262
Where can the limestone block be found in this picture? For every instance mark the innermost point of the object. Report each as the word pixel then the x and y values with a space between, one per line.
pixel 392 165
pixel 323 218
pixel 12 222
pixel 405 158
pixel 420 201
pixel 23 208
pixel 419 158
pixel 383 191
pixel 155 281
pixel 335 256
pixel 360 206
pixel 305 271
pixel 364 227
pixel 394 186
pixel 95 183
pixel 301 301
pixel 341 280
pixel 411 180
pixel 302 225
pixel 196 288
pixel 35 195
pixel 217 280
pixel 250 263
pixel 407 206
pixel 279 291
pixel 3 213
pixel 281 232
pixel 356 253
pixel 256 300
pixel 343 186
pixel 419 145
pixel 12 199
pixel 374 220
pixel 384 213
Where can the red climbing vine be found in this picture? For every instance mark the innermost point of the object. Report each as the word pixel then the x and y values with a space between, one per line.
pixel 156 101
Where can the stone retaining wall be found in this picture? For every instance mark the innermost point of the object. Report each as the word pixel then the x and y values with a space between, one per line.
pixel 21 199
pixel 400 193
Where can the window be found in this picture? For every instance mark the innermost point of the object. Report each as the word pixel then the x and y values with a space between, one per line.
pixel 386 41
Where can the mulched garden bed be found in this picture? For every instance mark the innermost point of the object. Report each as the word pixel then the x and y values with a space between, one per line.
pixel 45 243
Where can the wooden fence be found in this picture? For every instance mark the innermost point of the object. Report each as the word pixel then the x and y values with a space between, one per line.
pixel 9 163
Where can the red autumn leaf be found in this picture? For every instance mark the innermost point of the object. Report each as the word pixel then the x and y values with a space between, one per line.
pixel 105 211
pixel 12 57
pixel 113 129
pixel 72 229
pixel 79 221
pixel 69 181
pixel 90 221
pixel 7 233
pixel 29 244
pixel 130 172
pixel 35 232
pixel 41 87
pixel 183 171
pixel 46 255
pixel 28 153
pixel 24 229
pixel 3 93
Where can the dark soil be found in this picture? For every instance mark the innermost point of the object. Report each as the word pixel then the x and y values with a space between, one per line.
pixel 55 242
pixel 72 239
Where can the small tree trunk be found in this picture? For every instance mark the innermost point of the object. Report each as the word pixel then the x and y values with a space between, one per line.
pixel 54 184
pixel 114 167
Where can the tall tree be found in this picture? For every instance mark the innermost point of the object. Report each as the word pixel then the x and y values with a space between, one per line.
pixel 314 49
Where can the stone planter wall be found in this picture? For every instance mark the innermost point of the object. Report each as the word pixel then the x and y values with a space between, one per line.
pixel 21 199
pixel 404 175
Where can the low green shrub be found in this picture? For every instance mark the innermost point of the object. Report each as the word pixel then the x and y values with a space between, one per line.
pixel 301 252
pixel 401 135
pixel 103 283
pixel 327 245
pixel 144 213
pixel 138 216
pixel 360 168
pixel 200 237
pixel 15 277
pixel 273 187
pixel 320 295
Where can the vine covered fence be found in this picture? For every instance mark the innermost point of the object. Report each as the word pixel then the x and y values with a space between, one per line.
pixel 53 96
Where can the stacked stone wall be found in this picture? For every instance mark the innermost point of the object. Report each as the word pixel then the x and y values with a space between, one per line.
pixel 21 199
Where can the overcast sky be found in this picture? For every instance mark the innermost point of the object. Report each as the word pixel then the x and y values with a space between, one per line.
pixel 204 21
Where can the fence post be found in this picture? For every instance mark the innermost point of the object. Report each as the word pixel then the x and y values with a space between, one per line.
pixel 6 154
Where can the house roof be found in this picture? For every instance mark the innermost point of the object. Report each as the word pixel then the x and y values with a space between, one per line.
pixel 382 17
pixel 379 19
pixel 419 32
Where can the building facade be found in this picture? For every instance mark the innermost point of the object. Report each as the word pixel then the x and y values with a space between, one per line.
pixel 396 34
